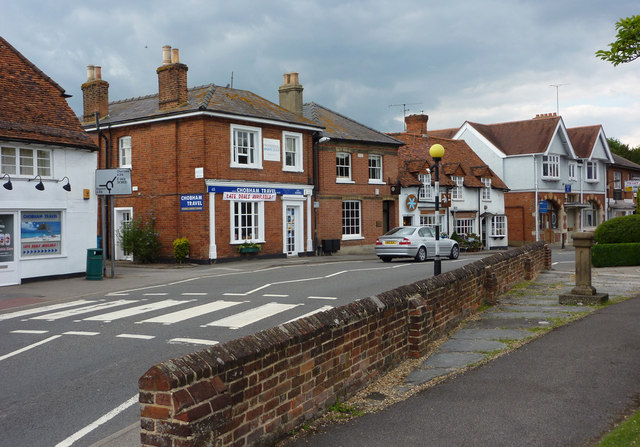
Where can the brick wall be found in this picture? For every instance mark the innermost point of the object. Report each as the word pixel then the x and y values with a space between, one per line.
pixel 254 390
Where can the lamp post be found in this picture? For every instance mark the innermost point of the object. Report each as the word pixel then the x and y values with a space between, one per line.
pixel 437 152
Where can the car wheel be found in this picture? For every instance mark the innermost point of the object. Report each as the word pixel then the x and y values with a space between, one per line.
pixel 385 258
pixel 455 252
pixel 421 256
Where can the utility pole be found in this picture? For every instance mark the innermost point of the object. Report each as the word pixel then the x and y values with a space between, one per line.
pixel 404 110
pixel 557 86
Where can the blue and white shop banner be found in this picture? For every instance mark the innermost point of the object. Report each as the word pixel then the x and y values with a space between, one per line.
pixel 251 193
pixel 191 202
pixel 40 233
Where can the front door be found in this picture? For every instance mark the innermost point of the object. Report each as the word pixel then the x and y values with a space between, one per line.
pixel 122 216
pixel 8 254
pixel 293 235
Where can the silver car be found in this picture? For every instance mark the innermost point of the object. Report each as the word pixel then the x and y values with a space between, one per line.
pixel 414 242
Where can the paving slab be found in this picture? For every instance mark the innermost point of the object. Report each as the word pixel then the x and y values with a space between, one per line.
pixel 492 334
pixel 529 315
pixel 452 359
pixel 472 345
pixel 421 375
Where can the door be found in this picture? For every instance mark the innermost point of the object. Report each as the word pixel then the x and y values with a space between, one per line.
pixel 293 235
pixel 122 216
pixel 8 256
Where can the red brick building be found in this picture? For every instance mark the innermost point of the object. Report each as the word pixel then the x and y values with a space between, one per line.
pixel 620 196
pixel 217 165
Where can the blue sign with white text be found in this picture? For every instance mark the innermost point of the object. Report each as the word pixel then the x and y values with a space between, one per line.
pixel 543 207
pixel 256 190
pixel 191 202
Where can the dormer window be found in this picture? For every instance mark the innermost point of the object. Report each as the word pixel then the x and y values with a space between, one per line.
pixel 426 190
pixel 456 192
pixel 486 189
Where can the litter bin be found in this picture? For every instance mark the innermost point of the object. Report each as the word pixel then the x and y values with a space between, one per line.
pixel 94 263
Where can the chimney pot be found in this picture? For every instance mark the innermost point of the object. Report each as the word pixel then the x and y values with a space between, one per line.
pixel 98 73
pixel 291 93
pixel 166 55
pixel 90 73
pixel 175 56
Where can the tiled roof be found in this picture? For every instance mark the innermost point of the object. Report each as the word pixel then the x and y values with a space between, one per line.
pixel 210 98
pixel 520 137
pixel 340 127
pixel 443 133
pixel 33 107
pixel 459 158
pixel 623 162
pixel 583 139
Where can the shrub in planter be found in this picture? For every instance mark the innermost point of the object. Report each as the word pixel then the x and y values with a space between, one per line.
pixel 618 230
pixel 181 248
pixel 140 239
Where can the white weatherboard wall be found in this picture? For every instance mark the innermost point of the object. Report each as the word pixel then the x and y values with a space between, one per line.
pixel 78 215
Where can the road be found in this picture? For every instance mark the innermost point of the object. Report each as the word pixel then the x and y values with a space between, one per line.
pixel 70 367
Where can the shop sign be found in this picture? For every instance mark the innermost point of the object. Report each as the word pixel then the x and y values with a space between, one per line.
pixel 631 185
pixel 254 193
pixel 271 149
pixel 191 202
pixel 40 233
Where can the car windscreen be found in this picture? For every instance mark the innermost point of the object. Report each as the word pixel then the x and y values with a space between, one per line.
pixel 401 231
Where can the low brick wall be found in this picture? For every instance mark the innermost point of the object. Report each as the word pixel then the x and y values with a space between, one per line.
pixel 254 390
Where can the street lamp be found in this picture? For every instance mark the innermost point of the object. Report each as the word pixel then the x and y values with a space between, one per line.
pixel 437 152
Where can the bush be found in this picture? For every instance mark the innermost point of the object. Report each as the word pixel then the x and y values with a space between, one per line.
pixel 181 247
pixel 140 239
pixel 612 255
pixel 623 229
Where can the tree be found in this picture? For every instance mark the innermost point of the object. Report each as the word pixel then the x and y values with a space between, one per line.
pixel 626 48
pixel 623 150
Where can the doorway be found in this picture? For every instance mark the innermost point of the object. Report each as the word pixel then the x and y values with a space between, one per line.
pixel 8 255
pixel 122 216
pixel 293 235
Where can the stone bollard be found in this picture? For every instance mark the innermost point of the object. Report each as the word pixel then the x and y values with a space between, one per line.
pixel 583 292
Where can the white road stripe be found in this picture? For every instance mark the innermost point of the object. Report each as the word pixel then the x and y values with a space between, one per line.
pixel 82 310
pixel 25 331
pixel 37 310
pixel 194 294
pixel 322 309
pixel 192 312
pixel 194 341
pixel 274 295
pixel 26 348
pixel 252 315
pixel 90 334
pixel 136 336
pixel 156 294
pixel 98 422
pixel 322 297
pixel 135 310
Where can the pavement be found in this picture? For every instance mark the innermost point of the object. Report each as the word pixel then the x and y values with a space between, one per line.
pixel 495 381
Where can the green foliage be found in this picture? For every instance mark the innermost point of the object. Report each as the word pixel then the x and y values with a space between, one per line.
pixel 619 230
pixel 626 47
pixel 613 255
pixel 181 248
pixel 470 242
pixel 140 239
pixel 345 410
pixel 626 434
pixel 247 246
pixel 623 150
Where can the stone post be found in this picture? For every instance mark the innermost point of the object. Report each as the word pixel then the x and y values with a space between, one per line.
pixel 583 292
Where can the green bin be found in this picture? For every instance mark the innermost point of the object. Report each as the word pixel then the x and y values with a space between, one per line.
pixel 94 263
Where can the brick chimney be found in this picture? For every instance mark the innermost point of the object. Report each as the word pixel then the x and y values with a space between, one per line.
pixel 172 80
pixel 291 93
pixel 95 95
pixel 416 124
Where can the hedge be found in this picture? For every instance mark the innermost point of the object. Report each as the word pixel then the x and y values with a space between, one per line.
pixel 612 255
pixel 619 230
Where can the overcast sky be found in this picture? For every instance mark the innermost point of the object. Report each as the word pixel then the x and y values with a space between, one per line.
pixel 483 61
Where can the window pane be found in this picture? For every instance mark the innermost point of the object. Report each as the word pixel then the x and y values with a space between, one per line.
pixel 8 160
pixel 44 163
pixel 343 165
pixel 26 162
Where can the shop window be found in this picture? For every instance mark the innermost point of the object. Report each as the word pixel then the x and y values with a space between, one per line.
pixel 464 226
pixel 351 219
pixel 247 222
pixel 40 233
pixel 498 226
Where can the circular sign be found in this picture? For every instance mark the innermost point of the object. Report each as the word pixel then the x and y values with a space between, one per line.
pixel 411 202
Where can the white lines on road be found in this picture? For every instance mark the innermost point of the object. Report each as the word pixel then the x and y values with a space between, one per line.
pixel 136 336
pixel 251 316
pixel 322 297
pixel 82 310
pixel 275 295
pixel 156 294
pixel 135 310
pixel 25 331
pixel 98 422
pixel 191 312
pixel 194 294
pixel 193 341
pixel 31 346
pixel 322 309
pixel 22 313
pixel 90 334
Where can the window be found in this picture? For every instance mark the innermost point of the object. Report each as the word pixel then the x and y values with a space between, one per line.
pixel 124 146
pixel 486 189
pixel 551 166
pixel 617 180
pixel 247 221
pixel 429 220
pixel 426 191
pixel 343 166
pixel 572 171
pixel 456 192
pixel 375 168
pixel 464 226
pixel 292 151
pixel 592 171
pixel 498 225
pixel 40 233
pixel 27 162
pixel 351 219
pixel 245 147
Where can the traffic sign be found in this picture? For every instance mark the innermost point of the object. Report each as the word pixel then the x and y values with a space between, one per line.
pixel 113 182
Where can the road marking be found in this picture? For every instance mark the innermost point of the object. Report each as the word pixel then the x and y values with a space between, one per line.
pixel 26 348
pixel 274 295
pixel 322 297
pixel 192 312
pixel 98 422
pixel 156 294
pixel 82 310
pixel 25 331
pixel 37 310
pixel 136 336
pixel 90 334
pixel 322 309
pixel 194 341
pixel 251 316
pixel 194 294
pixel 135 310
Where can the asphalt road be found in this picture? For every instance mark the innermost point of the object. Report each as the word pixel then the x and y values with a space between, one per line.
pixel 70 366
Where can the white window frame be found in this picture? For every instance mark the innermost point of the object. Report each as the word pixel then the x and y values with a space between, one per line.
pixel 617 180
pixel 551 164
pixel 486 189
pixel 124 151
pixel 468 223
pixel 573 171
pixel 426 192
pixel 591 168
pixel 457 192
pixel 296 138
pixel 257 213
pixel 27 162
pixel 345 157
pixel 254 151
pixel 429 220
pixel 376 170
pixel 499 225
pixel 351 225
pixel 9 162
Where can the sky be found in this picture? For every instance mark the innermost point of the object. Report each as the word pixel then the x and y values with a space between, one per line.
pixel 484 61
